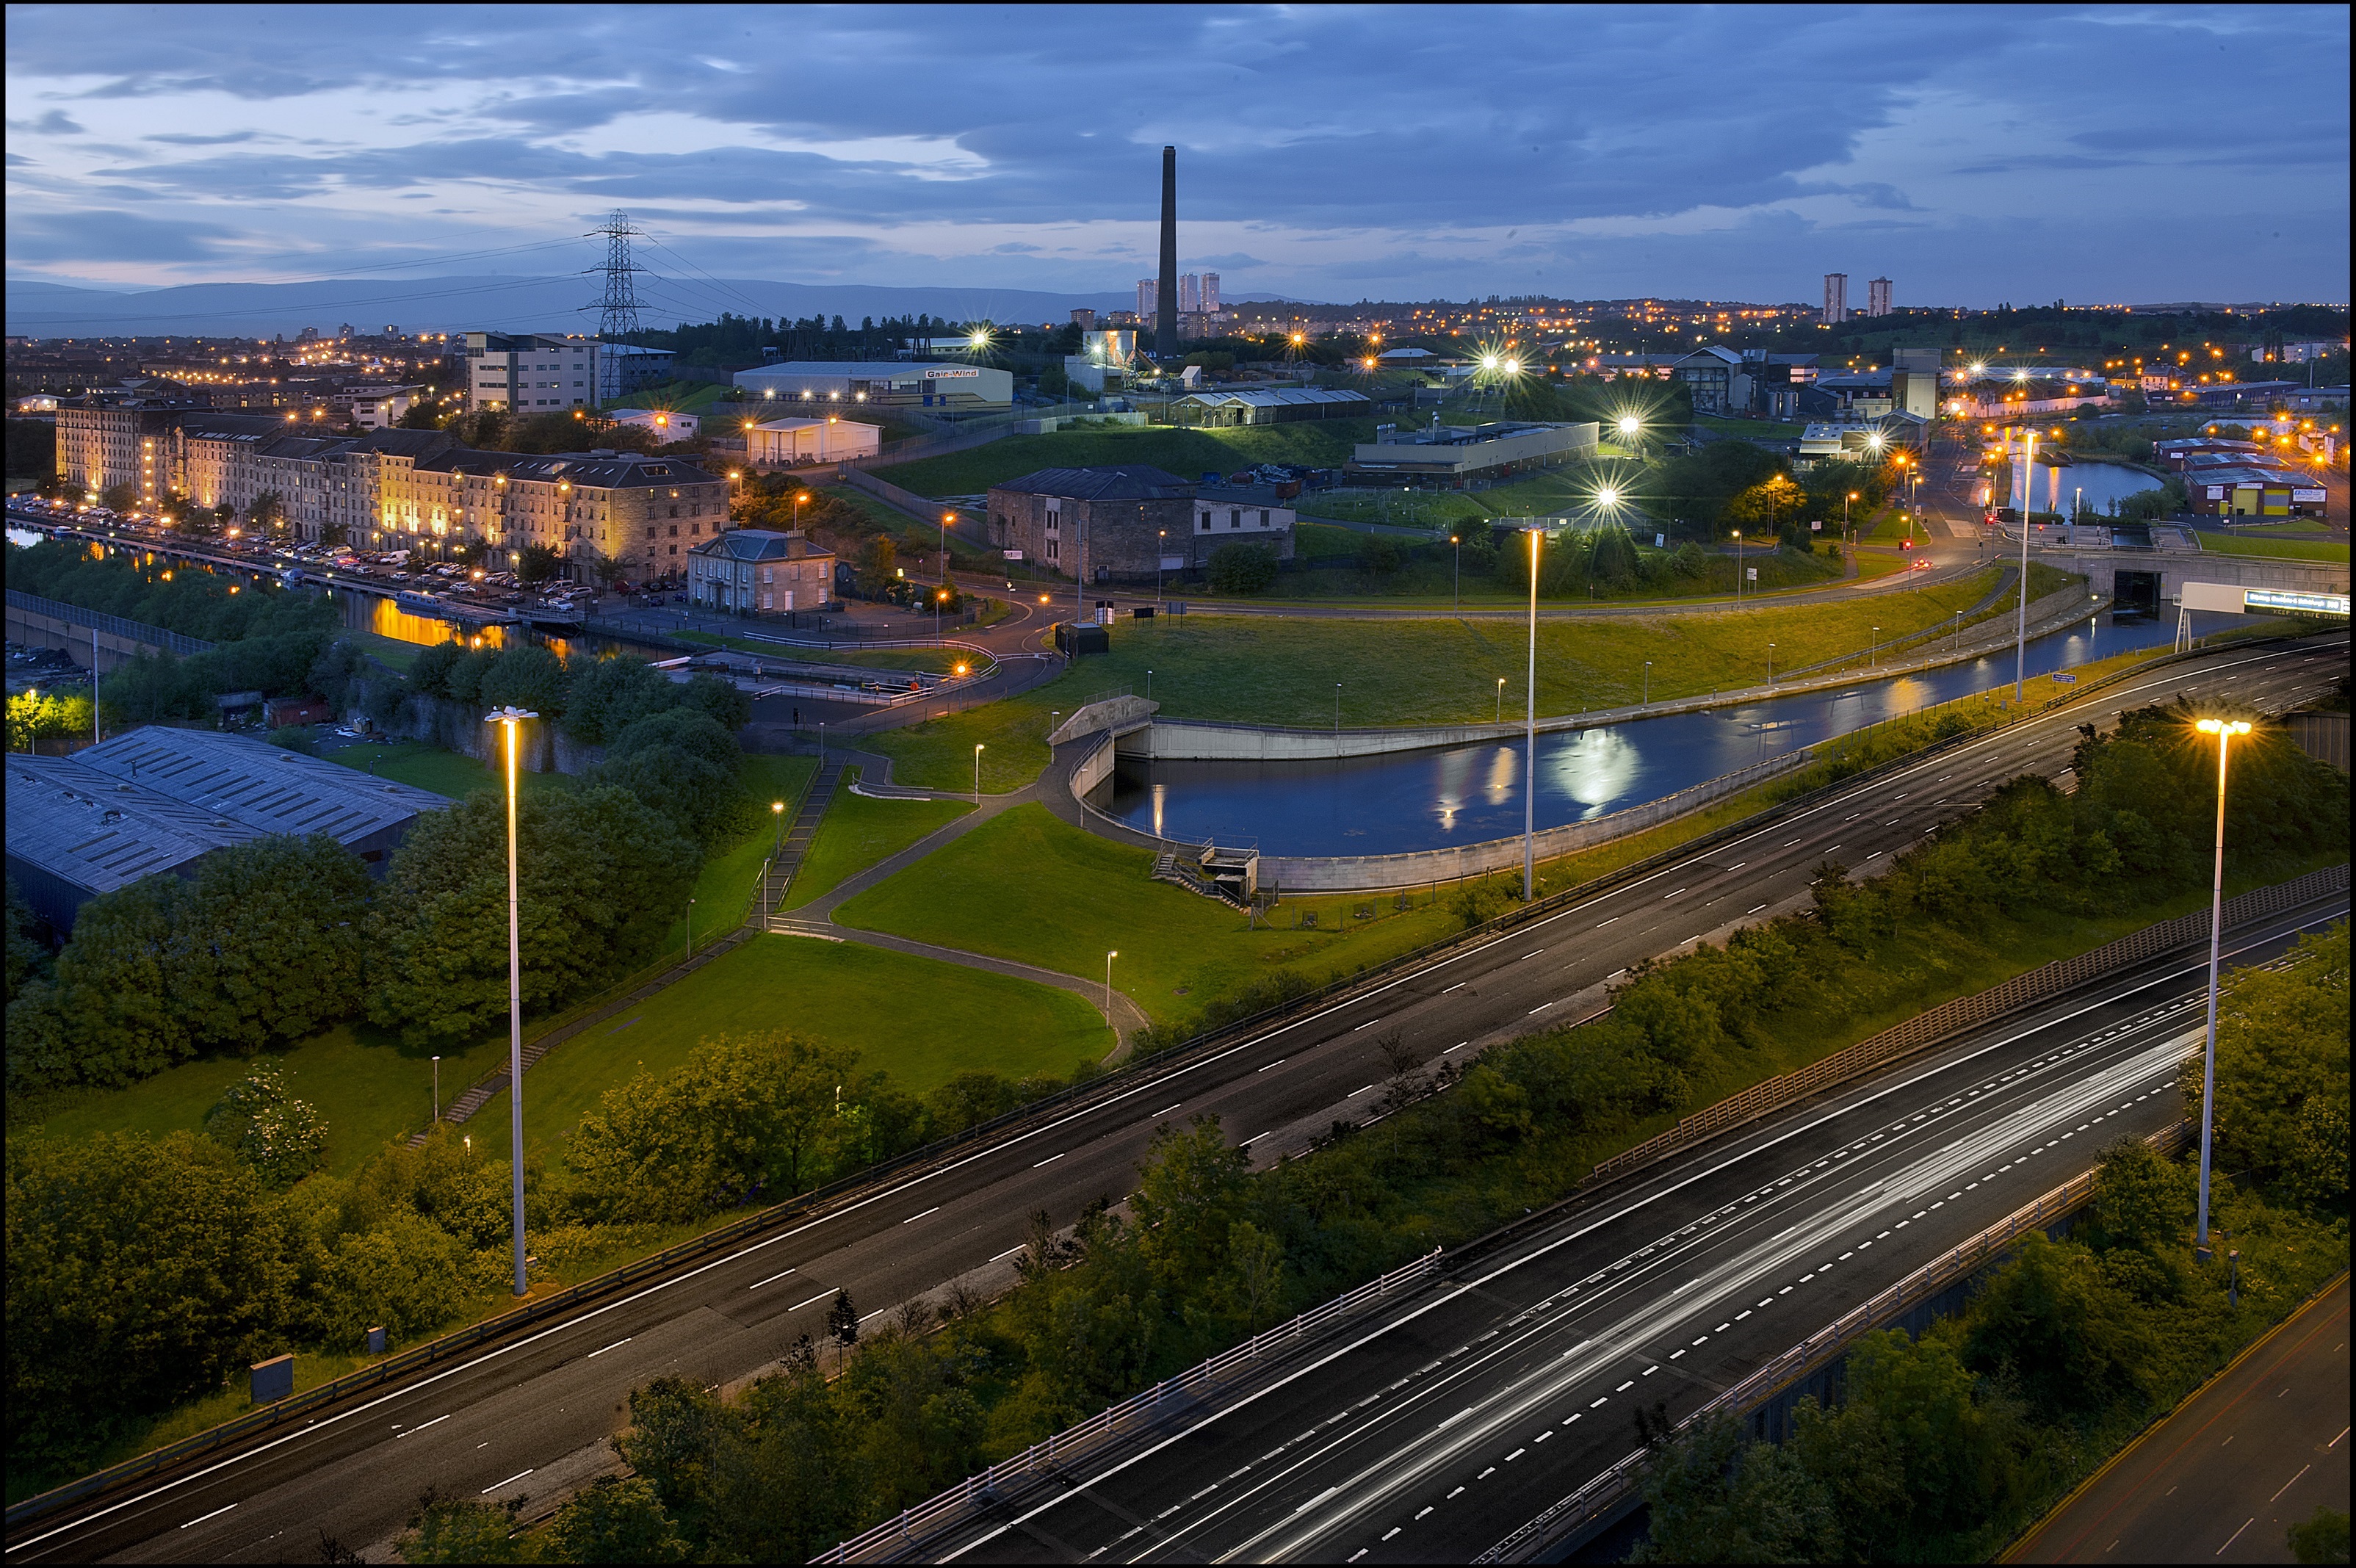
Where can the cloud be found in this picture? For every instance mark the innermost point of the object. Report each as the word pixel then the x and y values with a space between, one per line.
pixel 56 122
pixel 122 236
pixel 187 139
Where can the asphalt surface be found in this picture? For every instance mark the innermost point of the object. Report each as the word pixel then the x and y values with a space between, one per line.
pixel 2228 1473
pixel 540 1406
pixel 1431 1431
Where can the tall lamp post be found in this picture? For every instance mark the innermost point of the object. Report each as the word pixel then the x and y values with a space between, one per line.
pixel 1738 564
pixel 2020 627
pixel 777 849
pixel 946 518
pixel 1530 745
pixel 1648 683
pixel 1108 958
pixel 2224 730
pixel 1458 542
pixel 977 772
pixel 1501 700
pixel 511 716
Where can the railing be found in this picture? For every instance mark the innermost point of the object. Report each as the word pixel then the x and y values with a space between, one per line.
pixel 917 1160
pixel 114 626
pixel 1047 1456
pixel 1612 1487
pixel 1963 1012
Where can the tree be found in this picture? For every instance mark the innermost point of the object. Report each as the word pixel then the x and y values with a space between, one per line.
pixel 2322 1537
pixel 279 1136
pixel 267 513
pixel 602 876
pixel 677 1430
pixel 879 563
pixel 744 1114
pixel 1717 1498
pixel 843 1321
pixel 140 1272
pixel 121 496
pixel 701 799
pixel 528 677
pixel 459 1529
pixel 2282 1068
pixel 608 570
pixel 614 1521
pixel 1243 568
pixel 538 565
pixel 610 695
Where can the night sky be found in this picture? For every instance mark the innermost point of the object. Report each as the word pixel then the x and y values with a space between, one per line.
pixel 1975 154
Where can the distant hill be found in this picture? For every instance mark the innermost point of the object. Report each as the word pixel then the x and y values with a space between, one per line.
pixel 37 310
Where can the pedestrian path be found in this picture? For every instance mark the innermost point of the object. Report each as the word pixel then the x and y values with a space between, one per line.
pixel 794 846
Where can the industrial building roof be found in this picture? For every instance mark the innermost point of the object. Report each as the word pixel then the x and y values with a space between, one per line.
pixel 89 828
pixel 262 787
pixel 1276 397
pixel 1117 481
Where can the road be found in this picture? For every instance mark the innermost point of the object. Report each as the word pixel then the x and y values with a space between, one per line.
pixel 543 1403
pixel 1434 1429
pixel 2226 1474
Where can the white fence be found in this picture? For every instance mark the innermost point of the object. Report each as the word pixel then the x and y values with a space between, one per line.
pixel 927 1518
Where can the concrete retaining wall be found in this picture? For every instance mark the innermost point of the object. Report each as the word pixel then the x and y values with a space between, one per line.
pixel 2177 567
pixel 1093 769
pixel 1114 713
pixel 1204 740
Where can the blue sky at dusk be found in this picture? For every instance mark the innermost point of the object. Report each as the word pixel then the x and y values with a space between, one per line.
pixel 1975 155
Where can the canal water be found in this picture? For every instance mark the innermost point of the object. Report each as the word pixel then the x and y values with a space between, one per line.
pixel 2091 487
pixel 1448 796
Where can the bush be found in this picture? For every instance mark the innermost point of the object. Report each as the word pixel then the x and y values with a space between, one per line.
pixel 1243 568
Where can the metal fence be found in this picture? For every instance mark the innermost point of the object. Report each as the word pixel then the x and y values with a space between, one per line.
pixel 1614 1486
pixel 1949 1017
pixel 114 626
pixel 1045 1457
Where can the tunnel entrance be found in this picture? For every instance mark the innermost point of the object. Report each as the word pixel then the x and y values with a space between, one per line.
pixel 2135 595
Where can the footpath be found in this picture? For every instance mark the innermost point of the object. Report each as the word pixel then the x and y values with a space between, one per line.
pixel 2224 1476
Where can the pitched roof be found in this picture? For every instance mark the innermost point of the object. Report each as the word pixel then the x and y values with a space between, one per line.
pixel 86 827
pixel 262 787
pixel 762 544
pixel 1117 481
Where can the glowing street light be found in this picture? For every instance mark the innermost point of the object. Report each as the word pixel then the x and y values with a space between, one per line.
pixel 2021 629
pixel 511 716
pixel 1530 743
pixel 2224 730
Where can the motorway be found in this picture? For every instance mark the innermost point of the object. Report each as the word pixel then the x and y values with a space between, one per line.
pixel 1442 1423
pixel 530 1416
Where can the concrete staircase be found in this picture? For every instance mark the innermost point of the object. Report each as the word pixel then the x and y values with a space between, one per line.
pixel 796 847
pixel 1170 869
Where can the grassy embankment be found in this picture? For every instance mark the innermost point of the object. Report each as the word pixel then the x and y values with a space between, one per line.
pixel 859 831
pixel 2277 549
pixel 1265 670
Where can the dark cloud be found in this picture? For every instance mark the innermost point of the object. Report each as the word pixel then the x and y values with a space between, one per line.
pixel 56 122
pixel 1384 140
pixel 121 235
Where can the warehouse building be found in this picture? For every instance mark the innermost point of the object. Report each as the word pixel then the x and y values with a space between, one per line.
pixel 156 800
pixel 1123 522
pixel 953 388
pixel 1454 456
pixel 1269 406
pixel 827 440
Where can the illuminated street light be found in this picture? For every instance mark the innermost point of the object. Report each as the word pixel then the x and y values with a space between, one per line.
pixel 510 716
pixel 2224 730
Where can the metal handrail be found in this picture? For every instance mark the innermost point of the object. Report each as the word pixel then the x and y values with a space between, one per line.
pixel 1049 1453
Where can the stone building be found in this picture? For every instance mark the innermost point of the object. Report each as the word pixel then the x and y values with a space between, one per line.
pixel 1115 523
pixel 757 571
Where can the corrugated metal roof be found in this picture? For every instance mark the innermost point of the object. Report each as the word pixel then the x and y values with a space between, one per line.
pixel 263 787
pixel 1277 397
pixel 95 831
pixel 1117 481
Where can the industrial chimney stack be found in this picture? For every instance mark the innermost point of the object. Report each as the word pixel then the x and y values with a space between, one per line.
pixel 1165 314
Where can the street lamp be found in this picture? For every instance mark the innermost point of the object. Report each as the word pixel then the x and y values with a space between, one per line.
pixel 1738 564
pixel 1771 664
pixel 1337 710
pixel 1530 748
pixel 1458 543
pixel 1873 660
pixel 690 928
pixel 2020 629
pixel 2224 730
pixel 977 772
pixel 1161 557
pixel 799 497
pixel 946 518
pixel 1500 699
pixel 511 716
pixel 1108 958
pixel 437 1088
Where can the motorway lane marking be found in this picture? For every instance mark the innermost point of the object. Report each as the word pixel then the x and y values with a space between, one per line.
pixel 811 1302
pixel 423 1425
pixel 614 1345
pixel 495 1485
pixel 1367 1025
pixel 218 1513
pixel 1009 1252
pixel 1749 912
pixel 1539 1008
pixel 1357 1091
pixel 913 1218
pixel 1163 1112
pixel 1278 1062
pixel 773 1279
pixel 1458 986
pixel 1051 1159
pixel 1604 923
pixel 1535 951
pixel 1669 896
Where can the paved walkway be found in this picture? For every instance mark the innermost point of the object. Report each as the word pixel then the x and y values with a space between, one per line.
pixel 2223 1477
pixel 816 919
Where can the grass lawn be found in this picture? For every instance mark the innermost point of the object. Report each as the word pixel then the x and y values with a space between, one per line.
pixel 1185 452
pixel 368 1086
pixel 934 661
pixel 920 541
pixel 724 887
pixel 2281 549
pixel 1076 897
pixel 922 1021
pixel 859 830
pixel 1260 670
pixel 431 768
pixel 1749 429
pixel 387 650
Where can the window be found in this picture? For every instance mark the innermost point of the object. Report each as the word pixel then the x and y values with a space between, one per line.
pixel 674 534
pixel 651 533
pixel 1235 518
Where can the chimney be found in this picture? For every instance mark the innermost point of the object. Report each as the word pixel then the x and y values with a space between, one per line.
pixel 1165 313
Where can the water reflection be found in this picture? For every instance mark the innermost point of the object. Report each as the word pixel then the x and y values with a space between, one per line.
pixel 1428 799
